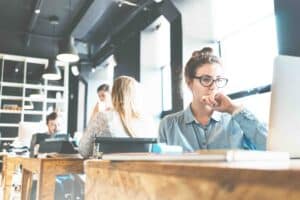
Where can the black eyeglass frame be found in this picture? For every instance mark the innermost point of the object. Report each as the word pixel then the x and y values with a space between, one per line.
pixel 200 78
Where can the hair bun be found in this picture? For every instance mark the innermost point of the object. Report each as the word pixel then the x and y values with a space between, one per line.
pixel 204 51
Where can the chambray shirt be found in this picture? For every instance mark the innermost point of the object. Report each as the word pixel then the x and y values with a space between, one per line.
pixel 224 131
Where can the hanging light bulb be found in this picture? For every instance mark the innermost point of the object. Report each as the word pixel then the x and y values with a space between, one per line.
pixel 52 72
pixel 75 70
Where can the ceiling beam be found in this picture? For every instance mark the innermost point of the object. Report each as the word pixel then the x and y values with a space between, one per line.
pixel 121 32
pixel 90 17
pixel 33 20
pixel 78 18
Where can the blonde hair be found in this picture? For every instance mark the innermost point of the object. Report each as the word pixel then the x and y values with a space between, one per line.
pixel 123 94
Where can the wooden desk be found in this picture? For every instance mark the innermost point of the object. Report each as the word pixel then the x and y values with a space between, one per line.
pixel 10 164
pixel 47 169
pixel 198 180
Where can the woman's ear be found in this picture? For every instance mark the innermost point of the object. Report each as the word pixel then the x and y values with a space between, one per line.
pixel 189 82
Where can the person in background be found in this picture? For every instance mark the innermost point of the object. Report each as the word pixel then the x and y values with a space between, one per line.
pixel 53 125
pixel 212 120
pixel 104 100
pixel 125 119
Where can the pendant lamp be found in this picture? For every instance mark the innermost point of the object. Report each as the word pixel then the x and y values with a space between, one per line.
pixel 67 51
pixel 52 72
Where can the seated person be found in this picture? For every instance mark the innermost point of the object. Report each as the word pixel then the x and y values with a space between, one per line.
pixel 212 120
pixel 53 125
pixel 124 120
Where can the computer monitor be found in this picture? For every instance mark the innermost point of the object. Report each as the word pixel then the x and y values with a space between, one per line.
pixel 284 124
pixel 42 137
pixel 121 145
pixel 60 143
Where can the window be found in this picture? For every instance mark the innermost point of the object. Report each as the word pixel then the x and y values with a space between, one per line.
pixel 248 56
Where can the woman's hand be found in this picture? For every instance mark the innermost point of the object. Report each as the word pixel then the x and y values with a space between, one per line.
pixel 221 103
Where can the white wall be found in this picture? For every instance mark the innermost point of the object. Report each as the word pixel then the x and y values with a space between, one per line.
pixel 155 53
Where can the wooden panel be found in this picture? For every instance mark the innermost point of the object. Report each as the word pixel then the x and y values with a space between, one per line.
pixel 134 180
pixel 47 170
pixel 10 164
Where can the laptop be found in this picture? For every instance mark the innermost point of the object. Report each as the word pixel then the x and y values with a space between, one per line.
pixel 121 145
pixel 284 123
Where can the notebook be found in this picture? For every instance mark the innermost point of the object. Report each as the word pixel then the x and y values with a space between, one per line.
pixel 284 123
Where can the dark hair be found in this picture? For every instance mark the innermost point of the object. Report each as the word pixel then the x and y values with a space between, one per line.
pixel 51 116
pixel 199 58
pixel 104 87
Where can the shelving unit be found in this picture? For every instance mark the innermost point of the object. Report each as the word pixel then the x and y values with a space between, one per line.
pixel 20 78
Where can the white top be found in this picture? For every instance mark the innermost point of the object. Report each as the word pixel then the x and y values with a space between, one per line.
pixel 109 124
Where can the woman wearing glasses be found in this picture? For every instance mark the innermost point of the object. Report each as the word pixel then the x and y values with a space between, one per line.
pixel 212 120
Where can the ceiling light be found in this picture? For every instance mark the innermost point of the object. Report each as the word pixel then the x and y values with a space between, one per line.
pixel 125 2
pixel 67 51
pixel 37 11
pixel 52 72
pixel 75 70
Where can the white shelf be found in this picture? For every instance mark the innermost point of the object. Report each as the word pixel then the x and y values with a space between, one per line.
pixel 10 111
pixel 8 138
pixel 33 86
pixel 11 84
pixel 33 112
pixel 11 97
pixel 34 99
pixel 55 88
pixel 28 85
pixel 55 101
pixel 8 125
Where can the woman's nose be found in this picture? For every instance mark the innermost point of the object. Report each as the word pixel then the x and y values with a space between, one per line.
pixel 213 86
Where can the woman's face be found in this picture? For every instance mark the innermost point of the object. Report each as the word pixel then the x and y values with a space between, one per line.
pixel 206 71
pixel 103 95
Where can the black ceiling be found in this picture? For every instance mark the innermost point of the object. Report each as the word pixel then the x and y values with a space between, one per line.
pixel 95 24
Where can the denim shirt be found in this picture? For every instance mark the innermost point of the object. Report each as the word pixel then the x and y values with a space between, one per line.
pixel 224 131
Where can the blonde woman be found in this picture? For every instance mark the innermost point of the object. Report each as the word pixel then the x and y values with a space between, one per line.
pixel 124 120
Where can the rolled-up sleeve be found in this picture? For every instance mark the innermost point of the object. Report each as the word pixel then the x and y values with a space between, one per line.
pixel 254 130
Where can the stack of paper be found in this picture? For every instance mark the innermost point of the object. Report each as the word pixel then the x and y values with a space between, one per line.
pixel 205 155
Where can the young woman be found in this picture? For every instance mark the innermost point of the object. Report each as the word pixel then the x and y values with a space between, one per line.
pixel 104 100
pixel 124 120
pixel 212 120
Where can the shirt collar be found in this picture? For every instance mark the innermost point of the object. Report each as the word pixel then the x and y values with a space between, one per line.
pixel 189 117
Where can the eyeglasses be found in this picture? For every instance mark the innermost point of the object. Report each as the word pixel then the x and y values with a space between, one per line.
pixel 207 81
